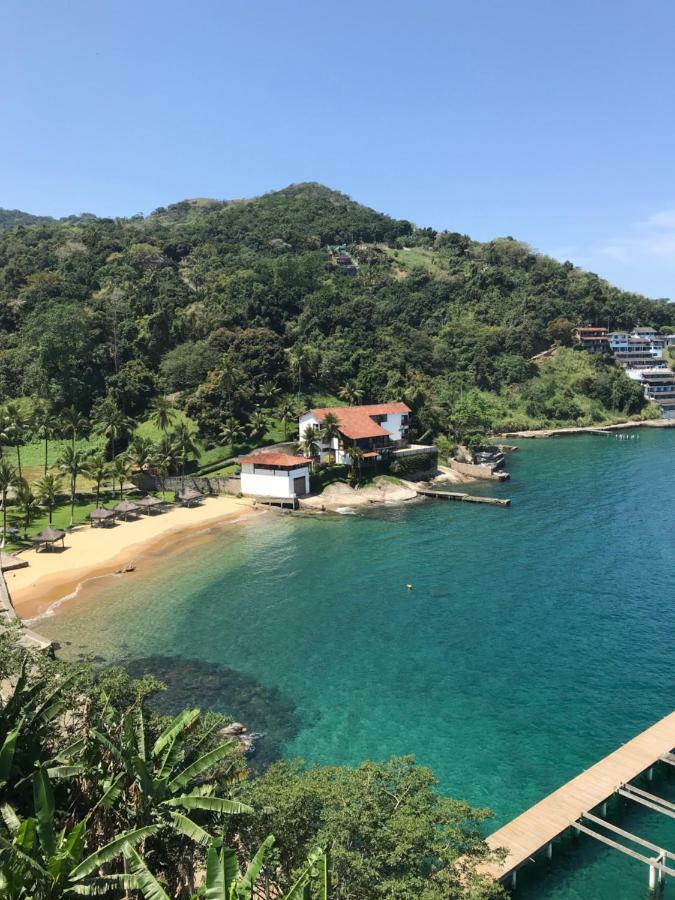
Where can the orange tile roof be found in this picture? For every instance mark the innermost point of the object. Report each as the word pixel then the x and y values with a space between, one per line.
pixel 278 460
pixel 355 421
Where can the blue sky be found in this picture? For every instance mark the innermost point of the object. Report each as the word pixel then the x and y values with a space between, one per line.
pixel 552 122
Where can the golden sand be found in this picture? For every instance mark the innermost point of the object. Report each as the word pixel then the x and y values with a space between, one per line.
pixel 92 552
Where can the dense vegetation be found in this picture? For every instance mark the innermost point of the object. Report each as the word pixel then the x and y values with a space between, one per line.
pixel 101 795
pixel 229 303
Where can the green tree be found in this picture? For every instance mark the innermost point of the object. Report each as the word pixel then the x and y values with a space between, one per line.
pixel 48 489
pixel 46 425
pixel 184 439
pixel 258 426
pixel 73 424
pixel 350 393
pixel 73 464
pixel 120 473
pixel 232 432
pixel 112 424
pixel 8 479
pixel 97 468
pixel 286 411
pixel 330 429
pixel 27 504
pixel 309 442
pixel 390 833
pixel 162 414
pixel 16 425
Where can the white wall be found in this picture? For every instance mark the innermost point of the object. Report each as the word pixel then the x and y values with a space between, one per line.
pixel 274 483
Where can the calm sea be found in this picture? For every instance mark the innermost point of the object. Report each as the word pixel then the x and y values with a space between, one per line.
pixel 535 640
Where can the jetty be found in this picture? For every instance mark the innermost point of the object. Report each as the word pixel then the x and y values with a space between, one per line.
pixel 535 830
pixel 28 639
pixel 436 494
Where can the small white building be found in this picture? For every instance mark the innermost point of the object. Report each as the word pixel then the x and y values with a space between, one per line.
pixel 377 429
pixel 272 474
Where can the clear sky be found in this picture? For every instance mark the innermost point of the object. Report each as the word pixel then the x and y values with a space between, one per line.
pixel 550 121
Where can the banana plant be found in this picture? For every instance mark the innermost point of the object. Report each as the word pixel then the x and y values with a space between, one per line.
pixel 164 781
pixel 223 881
pixel 42 862
pixel 26 717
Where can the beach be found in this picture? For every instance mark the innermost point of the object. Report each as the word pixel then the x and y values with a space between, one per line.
pixel 93 552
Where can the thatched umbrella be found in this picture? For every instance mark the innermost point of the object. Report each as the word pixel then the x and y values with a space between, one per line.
pixel 102 516
pixel 49 536
pixel 150 504
pixel 189 497
pixel 124 508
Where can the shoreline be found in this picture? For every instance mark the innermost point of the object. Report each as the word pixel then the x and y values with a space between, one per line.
pixel 93 553
pixel 585 429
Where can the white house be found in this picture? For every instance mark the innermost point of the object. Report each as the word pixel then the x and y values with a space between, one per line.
pixel 271 474
pixel 376 429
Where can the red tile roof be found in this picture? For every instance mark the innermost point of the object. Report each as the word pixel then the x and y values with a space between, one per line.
pixel 356 421
pixel 278 460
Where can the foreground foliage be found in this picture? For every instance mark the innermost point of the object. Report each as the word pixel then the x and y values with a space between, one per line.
pixel 99 795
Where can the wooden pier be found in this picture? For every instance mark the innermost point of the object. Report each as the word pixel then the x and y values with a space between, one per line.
pixel 535 829
pixel 435 494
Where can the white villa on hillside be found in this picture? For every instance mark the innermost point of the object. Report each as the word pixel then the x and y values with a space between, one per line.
pixel 273 474
pixel 376 429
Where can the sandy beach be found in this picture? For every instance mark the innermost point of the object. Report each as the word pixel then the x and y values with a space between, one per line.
pixel 92 552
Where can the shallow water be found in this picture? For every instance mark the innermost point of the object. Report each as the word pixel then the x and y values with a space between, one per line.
pixel 535 640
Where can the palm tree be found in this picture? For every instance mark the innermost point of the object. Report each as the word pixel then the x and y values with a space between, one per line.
pixel 309 442
pixel 166 458
pixel 46 425
pixel 8 479
pixel 141 453
pixel 258 426
pixel 268 393
pixel 98 470
pixel 286 411
pixel 330 429
pixel 232 432
pixel 72 463
pixel 112 424
pixel 16 423
pixel 356 456
pixel 48 489
pixel 73 424
pixel 185 440
pixel 162 414
pixel 350 393
pixel 120 471
pixel 27 503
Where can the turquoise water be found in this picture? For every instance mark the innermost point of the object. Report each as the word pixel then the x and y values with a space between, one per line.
pixel 536 639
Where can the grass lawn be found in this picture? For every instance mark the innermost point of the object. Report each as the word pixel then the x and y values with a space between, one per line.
pixel 84 504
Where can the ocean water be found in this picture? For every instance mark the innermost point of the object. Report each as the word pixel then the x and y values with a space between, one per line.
pixel 535 639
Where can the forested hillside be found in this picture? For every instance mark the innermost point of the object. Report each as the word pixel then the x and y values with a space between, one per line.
pixel 227 303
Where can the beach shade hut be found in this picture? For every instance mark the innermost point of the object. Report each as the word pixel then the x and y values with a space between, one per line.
pixel 8 562
pixel 48 537
pixel 125 508
pixel 150 505
pixel 189 497
pixel 102 516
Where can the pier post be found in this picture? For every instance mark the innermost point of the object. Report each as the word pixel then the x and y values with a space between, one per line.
pixel 514 878
pixel 650 773
pixel 603 810
pixel 549 851
pixel 652 878
pixel 662 859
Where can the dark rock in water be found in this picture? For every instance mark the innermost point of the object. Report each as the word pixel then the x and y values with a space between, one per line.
pixel 270 717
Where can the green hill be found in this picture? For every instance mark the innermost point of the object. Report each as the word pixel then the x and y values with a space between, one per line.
pixel 224 301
